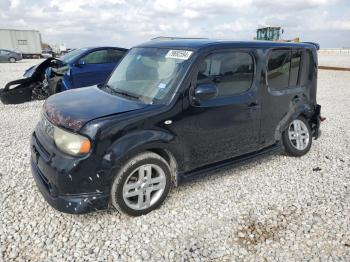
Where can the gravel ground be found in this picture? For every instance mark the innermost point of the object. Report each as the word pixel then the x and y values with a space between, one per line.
pixel 279 208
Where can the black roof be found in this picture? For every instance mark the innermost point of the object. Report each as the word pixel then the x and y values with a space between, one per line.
pixel 194 44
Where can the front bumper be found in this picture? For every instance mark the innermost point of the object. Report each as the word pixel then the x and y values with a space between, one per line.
pixel 72 204
pixel 58 186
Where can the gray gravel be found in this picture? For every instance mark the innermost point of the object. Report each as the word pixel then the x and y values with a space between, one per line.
pixel 279 208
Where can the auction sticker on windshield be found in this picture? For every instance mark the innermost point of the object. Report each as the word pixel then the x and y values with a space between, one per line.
pixel 179 54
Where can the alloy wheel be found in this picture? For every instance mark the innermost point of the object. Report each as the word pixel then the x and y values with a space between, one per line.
pixel 298 134
pixel 144 187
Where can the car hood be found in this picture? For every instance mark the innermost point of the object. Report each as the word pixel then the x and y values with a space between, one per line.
pixel 74 108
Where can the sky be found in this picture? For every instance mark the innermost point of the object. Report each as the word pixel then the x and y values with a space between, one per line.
pixel 78 23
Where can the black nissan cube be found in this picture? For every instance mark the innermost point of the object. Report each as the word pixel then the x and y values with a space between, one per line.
pixel 172 110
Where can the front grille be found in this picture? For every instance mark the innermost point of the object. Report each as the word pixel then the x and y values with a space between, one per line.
pixel 44 179
pixel 41 176
pixel 41 149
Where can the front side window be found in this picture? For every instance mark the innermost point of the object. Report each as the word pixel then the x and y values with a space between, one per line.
pixel 231 72
pixel 148 74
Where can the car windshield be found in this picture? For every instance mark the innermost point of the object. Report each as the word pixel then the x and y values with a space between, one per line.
pixel 69 57
pixel 148 74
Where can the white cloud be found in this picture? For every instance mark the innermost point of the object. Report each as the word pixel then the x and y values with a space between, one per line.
pixel 126 23
pixel 188 13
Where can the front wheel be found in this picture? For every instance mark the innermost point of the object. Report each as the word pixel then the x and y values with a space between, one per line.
pixel 12 60
pixel 141 185
pixel 297 139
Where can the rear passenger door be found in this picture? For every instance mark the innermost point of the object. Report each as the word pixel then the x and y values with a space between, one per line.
pixel 228 125
pixel 96 68
pixel 282 85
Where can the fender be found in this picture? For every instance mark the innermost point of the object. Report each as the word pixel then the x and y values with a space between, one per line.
pixel 298 106
pixel 143 140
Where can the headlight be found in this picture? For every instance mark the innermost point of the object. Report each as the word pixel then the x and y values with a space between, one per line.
pixel 70 143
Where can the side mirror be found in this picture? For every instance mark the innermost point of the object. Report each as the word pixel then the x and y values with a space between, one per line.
pixel 81 62
pixel 205 92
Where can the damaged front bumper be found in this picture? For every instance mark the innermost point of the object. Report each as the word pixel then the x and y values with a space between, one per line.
pixel 68 184
pixel 72 204
pixel 34 85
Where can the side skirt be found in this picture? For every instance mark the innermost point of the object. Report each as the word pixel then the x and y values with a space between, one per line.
pixel 230 163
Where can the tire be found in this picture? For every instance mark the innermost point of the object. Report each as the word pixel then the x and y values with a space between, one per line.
pixel 12 60
pixel 297 138
pixel 141 185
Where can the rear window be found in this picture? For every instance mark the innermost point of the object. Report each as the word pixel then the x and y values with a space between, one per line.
pixel 283 69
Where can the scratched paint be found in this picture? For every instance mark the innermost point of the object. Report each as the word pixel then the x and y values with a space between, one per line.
pixel 58 119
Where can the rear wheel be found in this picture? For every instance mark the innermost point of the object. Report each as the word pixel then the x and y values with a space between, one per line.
pixel 141 185
pixel 12 60
pixel 297 139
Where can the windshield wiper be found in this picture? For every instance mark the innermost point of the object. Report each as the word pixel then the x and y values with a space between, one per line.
pixel 120 92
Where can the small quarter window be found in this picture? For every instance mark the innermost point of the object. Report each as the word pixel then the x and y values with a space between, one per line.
pixel 278 69
pixel 231 72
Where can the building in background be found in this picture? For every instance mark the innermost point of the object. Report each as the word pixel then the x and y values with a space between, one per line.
pixel 27 42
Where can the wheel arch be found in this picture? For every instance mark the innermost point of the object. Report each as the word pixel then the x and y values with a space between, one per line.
pixel 161 143
pixel 298 107
pixel 170 159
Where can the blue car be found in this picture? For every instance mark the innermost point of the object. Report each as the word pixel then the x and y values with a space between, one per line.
pixel 78 68
pixel 82 67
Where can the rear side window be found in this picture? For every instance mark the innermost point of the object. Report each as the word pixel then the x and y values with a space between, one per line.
pixel 231 72
pixel 305 73
pixel 294 68
pixel 97 57
pixel 278 69
pixel 113 55
pixel 283 69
